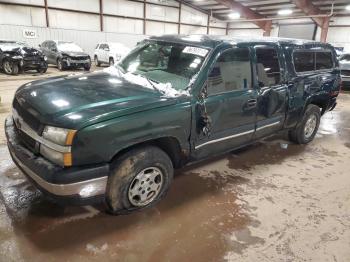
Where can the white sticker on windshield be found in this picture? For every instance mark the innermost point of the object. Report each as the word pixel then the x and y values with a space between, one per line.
pixel 195 51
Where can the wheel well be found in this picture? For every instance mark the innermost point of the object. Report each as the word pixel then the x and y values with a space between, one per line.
pixel 169 145
pixel 322 104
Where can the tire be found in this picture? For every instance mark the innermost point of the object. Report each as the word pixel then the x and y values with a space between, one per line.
pixel 306 130
pixel 97 63
pixel 128 182
pixel 60 64
pixel 111 61
pixel 42 70
pixel 87 67
pixel 10 68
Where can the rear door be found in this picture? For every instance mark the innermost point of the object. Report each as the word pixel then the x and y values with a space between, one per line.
pixel 230 104
pixel 272 97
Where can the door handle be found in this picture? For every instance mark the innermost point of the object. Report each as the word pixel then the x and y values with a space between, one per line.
pixel 251 102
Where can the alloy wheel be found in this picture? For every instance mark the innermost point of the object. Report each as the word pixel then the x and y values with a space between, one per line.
pixel 310 126
pixel 145 186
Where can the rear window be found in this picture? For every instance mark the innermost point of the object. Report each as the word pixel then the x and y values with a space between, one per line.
pixel 324 60
pixel 306 61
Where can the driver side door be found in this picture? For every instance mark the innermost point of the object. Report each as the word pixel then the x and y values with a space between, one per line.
pixel 229 106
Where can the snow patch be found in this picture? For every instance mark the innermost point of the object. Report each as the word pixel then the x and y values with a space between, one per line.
pixel 166 89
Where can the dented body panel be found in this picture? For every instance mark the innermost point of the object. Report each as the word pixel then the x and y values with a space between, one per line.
pixel 112 115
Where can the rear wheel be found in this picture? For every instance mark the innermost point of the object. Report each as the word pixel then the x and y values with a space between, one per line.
pixel 306 130
pixel 10 67
pixel 139 179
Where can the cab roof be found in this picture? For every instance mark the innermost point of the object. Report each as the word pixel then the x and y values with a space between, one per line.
pixel 211 41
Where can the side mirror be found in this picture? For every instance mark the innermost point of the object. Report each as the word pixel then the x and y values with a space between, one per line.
pixel 39 45
pixel 54 50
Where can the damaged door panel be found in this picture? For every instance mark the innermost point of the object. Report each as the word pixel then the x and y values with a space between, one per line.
pixel 272 89
pixel 229 104
pixel 116 135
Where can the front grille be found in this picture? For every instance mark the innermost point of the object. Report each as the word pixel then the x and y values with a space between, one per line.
pixel 79 58
pixel 345 72
pixel 32 58
pixel 26 116
pixel 26 140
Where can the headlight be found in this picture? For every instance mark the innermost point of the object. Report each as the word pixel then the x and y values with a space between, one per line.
pixel 62 159
pixel 17 57
pixel 57 149
pixel 60 136
pixel 45 58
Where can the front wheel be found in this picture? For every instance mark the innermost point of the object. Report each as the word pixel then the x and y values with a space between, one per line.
pixel 306 130
pixel 10 68
pixel 87 67
pixel 97 63
pixel 139 179
pixel 60 64
pixel 42 70
pixel 111 61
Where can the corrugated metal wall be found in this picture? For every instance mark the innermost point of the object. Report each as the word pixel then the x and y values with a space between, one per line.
pixel 86 39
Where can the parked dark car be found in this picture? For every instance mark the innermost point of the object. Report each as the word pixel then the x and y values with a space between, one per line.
pixel 118 134
pixel 65 55
pixel 18 57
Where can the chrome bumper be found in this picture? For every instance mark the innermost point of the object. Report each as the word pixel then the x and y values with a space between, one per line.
pixel 84 189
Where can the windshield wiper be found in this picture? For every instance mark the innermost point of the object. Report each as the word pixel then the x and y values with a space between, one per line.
pixel 150 82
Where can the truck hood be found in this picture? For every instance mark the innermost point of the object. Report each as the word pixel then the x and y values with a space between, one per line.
pixel 85 99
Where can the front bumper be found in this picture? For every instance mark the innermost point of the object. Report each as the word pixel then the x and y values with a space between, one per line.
pixel 74 185
pixel 33 64
pixel 76 63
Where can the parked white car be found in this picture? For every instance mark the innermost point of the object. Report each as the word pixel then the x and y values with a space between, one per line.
pixel 344 61
pixel 109 53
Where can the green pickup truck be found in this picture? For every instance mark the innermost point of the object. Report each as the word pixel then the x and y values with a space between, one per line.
pixel 116 135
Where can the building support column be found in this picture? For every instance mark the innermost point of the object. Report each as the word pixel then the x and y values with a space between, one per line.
pixel 324 30
pixel 101 15
pixel 46 14
pixel 179 20
pixel 208 24
pixel 267 28
pixel 144 17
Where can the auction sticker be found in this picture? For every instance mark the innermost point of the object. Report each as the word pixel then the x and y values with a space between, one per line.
pixel 195 51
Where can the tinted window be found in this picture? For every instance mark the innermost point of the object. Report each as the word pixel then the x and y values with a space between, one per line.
pixel 97 46
pixel 304 61
pixel 324 60
pixel 268 66
pixel 102 46
pixel 232 71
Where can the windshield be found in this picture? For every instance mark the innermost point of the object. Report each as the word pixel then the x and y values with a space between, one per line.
pixel 165 63
pixel 69 47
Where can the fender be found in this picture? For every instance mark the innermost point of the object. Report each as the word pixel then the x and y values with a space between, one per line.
pixel 123 132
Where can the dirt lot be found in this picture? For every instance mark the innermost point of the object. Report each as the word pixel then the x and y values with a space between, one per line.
pixel 263 203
